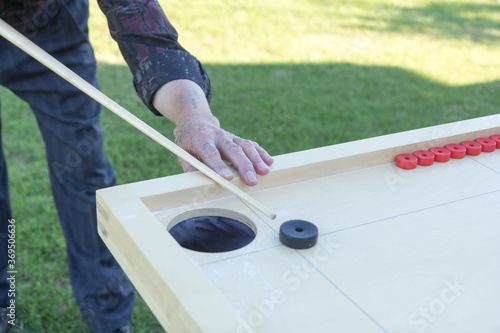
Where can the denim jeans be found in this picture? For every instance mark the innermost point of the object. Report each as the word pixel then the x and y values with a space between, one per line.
pixel 78 166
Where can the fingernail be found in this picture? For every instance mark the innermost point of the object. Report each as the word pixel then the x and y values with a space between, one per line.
pixel 251 177
pixel 263 166
pixel 226 173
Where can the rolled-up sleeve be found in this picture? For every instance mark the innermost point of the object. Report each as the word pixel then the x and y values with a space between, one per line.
pixel 149 45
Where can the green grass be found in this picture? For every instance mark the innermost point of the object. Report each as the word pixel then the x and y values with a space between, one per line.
pixel 291 75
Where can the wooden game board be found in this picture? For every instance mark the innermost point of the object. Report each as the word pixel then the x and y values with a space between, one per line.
pixel 399 250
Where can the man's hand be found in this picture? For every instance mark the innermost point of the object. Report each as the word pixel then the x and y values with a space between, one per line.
pixel 198 132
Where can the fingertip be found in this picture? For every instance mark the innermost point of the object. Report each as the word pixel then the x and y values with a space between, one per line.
pixel 226 173
pixel 251 178
pixel 266 157
pixel 186 167
pixel 262 168
pixel 190 169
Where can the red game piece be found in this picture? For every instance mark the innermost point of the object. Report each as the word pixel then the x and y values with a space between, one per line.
pixel 406 161
pixel 489 145
pixel 497 140
pixel 473 148
pixel 457 151
pixel 425 158
pixel 441 154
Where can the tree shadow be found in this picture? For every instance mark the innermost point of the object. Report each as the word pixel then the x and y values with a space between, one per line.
pixel 291 107
pixel 473 21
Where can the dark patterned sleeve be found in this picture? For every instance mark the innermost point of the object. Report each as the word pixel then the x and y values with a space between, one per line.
pixel 148 43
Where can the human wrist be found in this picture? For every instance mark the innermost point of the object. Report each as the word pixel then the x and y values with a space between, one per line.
pixel 196 117
pixel 181 101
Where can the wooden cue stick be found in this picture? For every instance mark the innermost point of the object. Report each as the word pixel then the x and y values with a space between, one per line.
pixel 39 54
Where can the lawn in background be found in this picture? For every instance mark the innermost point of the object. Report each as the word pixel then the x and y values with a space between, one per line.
pixel 291 75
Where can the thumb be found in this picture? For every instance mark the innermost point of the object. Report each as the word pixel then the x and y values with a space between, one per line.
pixel 186 167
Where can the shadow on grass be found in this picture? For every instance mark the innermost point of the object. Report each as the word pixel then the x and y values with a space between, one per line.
pixel 290 107
pixel 474 21
pixel 295 107
pixel 285 107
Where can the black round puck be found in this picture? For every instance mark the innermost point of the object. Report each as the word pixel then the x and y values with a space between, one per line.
pixel 298 234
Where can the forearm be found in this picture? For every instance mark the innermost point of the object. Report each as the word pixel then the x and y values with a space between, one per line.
pixel 148 43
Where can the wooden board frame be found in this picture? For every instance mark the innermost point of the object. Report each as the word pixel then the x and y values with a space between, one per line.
pixel 179 294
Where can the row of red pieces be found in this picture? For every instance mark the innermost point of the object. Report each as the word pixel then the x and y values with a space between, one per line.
pixel 440 154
